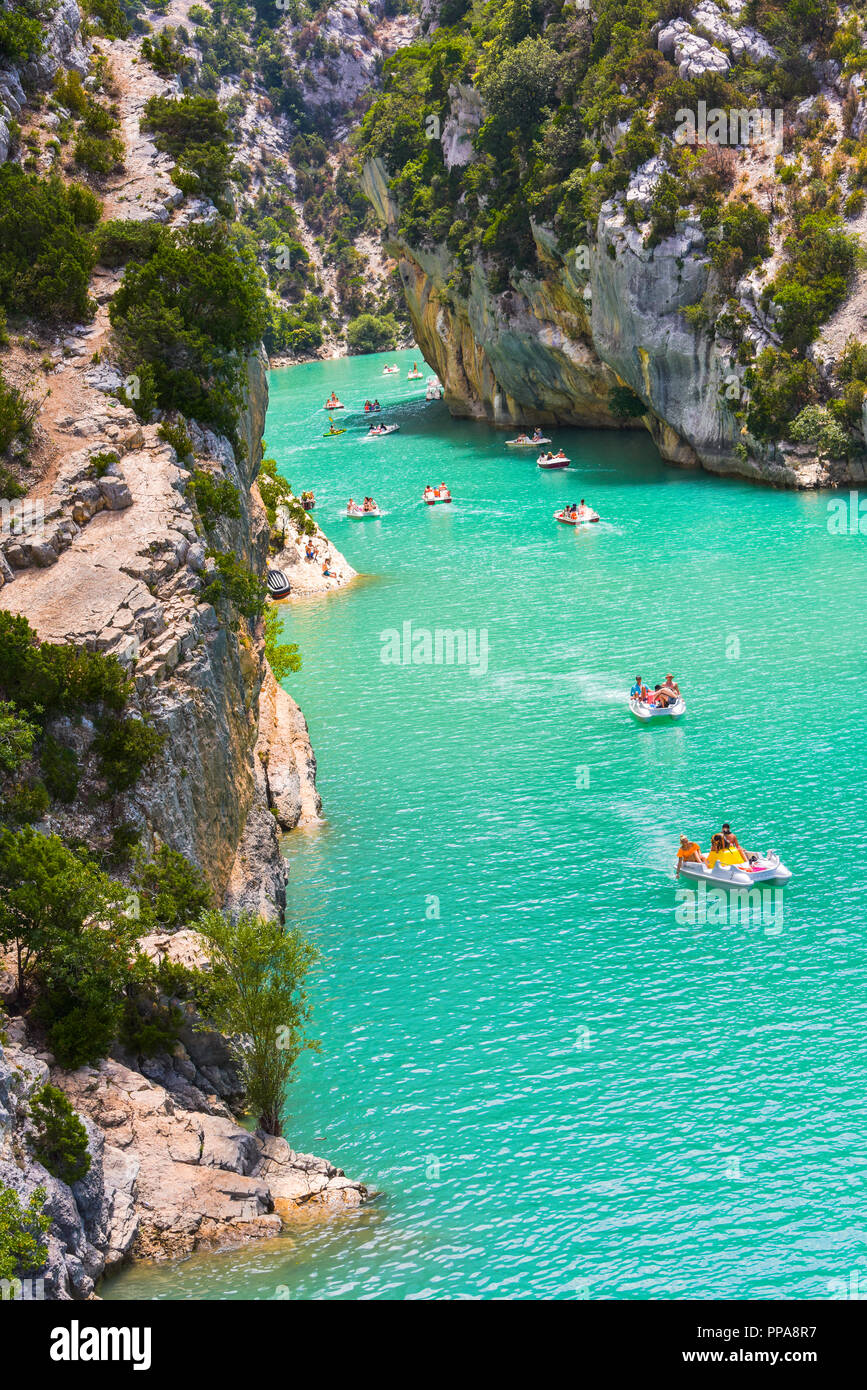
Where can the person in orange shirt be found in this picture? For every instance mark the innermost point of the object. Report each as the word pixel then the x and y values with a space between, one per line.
pixel 689 853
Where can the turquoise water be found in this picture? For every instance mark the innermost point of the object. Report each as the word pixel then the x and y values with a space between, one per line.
pixel 561 1087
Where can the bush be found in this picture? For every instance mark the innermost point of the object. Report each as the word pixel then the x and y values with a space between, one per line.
pixel 46 253
pixel 60 1139
pixel 215 497
pixel 17 737
pixel 98 155
pixel 125 746
pixel 284 658
pixel 235 585
pixel 780 386
pixel 816 425
pixel 371 333
pixel 274 490
pixel 178 436
pixel 21 38
pixel 47 677
pixel 179 316
pixel 173 891
pixel 195 131
pixel 624 404
pixel 59 770
pixel 17 414
pixel 25 803
pixel 23 1247
pixel 119 241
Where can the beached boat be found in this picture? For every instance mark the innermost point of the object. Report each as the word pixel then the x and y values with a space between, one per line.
pixel 278 584
pixel 646 712
pixel 581 518
pixel 767 868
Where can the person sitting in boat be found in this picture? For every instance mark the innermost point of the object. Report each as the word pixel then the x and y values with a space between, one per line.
pixel 689 853
pixel 582 507
pixel 731 843
pixel 658 698
pixel 376 405
pixel 635 692
pixel 670 688
pixel 538 436
pixel 720 853
pixel 351 505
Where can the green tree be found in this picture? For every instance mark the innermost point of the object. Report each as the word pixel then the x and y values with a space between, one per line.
pixel 23 1248
pixel 283 657
pixel 260 969
pixel 59 1139
pixel 17 736
pixel 173 891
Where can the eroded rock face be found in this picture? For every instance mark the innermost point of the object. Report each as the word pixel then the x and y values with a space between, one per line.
pixel 286 756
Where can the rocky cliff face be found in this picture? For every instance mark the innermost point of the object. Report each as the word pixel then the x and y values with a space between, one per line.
pixel 586 318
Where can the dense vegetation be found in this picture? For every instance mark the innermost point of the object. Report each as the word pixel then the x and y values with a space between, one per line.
pixel 574 103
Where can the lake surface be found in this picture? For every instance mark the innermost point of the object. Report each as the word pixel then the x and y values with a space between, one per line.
pixel 561 1085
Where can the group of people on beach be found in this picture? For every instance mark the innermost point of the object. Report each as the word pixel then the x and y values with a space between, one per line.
pixel 662 695
pixel 724 849
pixel 311 553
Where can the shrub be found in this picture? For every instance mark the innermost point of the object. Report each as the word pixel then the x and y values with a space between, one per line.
pixel 17 414
pixel 163 53
pixel 196 301
pixel 21 37
pixel 23 1247
pixel 195 131
pixel 119 241
pixel 215 497
pixel 371 333
pixel 816 425
pixel 178 436
pixel 624 404
pixel 59 1140
pixel 17 737
pixel 853 361
pixel 274 490
pixel 46 254
pixel 283 657
pixel 125 746
pixel 173 891
pixel 26 803
pixel 97 154
pixel 48 677
pixel 780 386
pixel 235 585
pixel 59 770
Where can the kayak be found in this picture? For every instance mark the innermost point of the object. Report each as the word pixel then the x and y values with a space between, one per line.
pixel 359 514
pixel 328 433
pixel 432 501
pixel 768 868
pixel 382 430
pixel 555 462
pixel 568 520
pixel 526 443
pixel 645 712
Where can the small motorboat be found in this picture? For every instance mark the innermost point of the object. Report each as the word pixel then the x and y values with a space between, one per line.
pixel 525 441
pixel 377 431
pixel 433 495
pixel 434 390
pixel 645 712
pixel 767 868
pixel 553 460
pixel 359 513
pixel 278 584
pixel 583 517
pixel 388 371
pixel 333 404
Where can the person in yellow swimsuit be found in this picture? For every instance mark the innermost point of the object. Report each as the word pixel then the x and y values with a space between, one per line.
pixel 721 853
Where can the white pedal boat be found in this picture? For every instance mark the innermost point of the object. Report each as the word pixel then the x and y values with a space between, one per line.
pixel 643 711
pixel 768 868
pixel 359 514
pixel 414 376
pixel 389 371
pixel 526 442
pixel 431 499
pixel 556 461
pixel 434 389
pixel 380 431
pixel 585 518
